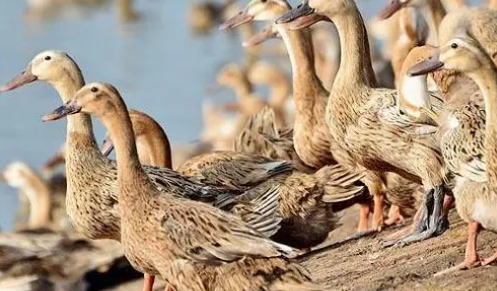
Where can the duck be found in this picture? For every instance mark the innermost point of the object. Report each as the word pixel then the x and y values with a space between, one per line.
pixel 363 138
pixel 45 200
pixel 94 208
pixel 312 139
pixel 460 51
pixel 309 126
pixel 154 150
pixel 169 242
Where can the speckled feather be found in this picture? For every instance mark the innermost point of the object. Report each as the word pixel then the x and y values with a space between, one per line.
pixel 307 202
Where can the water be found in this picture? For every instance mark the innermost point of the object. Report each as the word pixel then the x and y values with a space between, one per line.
pixel 156 63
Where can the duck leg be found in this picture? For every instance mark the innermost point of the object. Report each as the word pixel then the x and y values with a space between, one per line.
pixel 374 183
pixel 432 223
pixel 472 259
pixel 148 284
pixel 363 218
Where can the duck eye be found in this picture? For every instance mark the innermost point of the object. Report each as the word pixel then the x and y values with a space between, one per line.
pixel 48 58
pixel 94 89
pixel 454 45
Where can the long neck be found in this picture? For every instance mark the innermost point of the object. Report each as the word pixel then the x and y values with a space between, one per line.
pixel 306 84
pixel 355 63
pixel 130 175
pixel 433 11
pixel 486 78
pixel 157 148
pixel 38 195
pixel 79 126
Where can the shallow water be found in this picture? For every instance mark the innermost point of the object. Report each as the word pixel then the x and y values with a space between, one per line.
pixel 156 63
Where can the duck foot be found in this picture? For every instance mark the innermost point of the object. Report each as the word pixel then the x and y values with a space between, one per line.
pixel 466 265
pixel 148 284
pixel 430 221
pixel 490 260
pixel 472 258
pixel 394 216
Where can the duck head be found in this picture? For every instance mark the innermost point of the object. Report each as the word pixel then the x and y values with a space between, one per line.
pixel 459 53
pixel 309 12
pixel 50 66
pixel 96 99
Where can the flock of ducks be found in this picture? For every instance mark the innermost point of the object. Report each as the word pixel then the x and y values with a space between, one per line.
pixel 236 218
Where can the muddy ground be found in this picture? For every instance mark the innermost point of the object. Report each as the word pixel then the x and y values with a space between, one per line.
pixel 364 265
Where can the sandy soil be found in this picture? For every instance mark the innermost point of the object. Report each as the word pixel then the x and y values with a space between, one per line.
pixel 364 265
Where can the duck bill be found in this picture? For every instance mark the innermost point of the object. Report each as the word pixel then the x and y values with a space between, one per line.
pixel 266 33
pixel 306 21
pixel 390 9
pixel 22 79
pixel 297 12
pixel 107 146
pixel 241 18
pixel 62 111
pixel 426 66
pixel 3 178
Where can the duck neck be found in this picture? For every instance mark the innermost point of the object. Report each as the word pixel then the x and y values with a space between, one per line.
pixel 433 12
pixel 486 79
pixel 158 149
pixel 413 95
pixel 79 126
pixel 306 85
pixel 38 195
pixel 356 69
pixel 130 174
